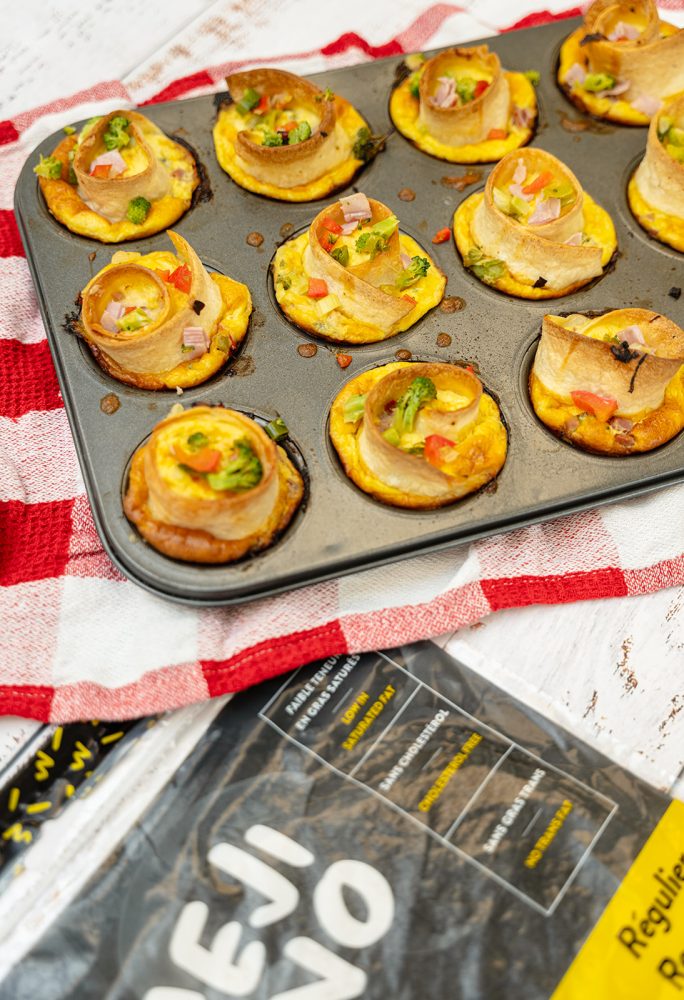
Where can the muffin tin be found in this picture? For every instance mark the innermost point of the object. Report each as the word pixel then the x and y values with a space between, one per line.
pixel 339 529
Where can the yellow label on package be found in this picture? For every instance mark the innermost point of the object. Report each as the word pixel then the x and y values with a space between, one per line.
pixel 636 950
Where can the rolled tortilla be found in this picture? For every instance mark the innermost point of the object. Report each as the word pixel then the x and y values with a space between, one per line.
pixel 359 287
pixel 469 123
pixel 110 197
pixel 652 64
pixel 157 346
pixel 659 178
pixel 177 499
pixel 303 162
pixel 573 356
pixel 530 252
pixel 401 470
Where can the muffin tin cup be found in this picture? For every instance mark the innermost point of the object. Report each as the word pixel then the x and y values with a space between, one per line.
pixel 341 530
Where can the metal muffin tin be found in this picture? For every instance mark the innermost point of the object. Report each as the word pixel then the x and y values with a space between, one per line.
pixel 339 529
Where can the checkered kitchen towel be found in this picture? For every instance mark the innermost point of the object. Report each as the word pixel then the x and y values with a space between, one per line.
pixel 80 641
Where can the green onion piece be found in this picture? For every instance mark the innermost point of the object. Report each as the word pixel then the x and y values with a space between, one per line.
pixel 132 321
pixel 595 82
pixel 49 167
pixel 353 409
pixel 249 100
pixel 533 75
pixel 414 85
pixel 277 429
pixel 69 129
pixel 197 440
pixel 138 210
pixel 465 88
pixel 391 436
pixel 664 125
pixel 341 255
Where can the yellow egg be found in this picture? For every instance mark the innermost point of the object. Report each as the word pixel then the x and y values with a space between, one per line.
pixel 291 285
pixel 595 435
pixel 669 229
pixel 66 205
pixel 597 224
pixel 229 334
pixel 615 110
pixel 404 109
pixel 229 122
pixel 483 445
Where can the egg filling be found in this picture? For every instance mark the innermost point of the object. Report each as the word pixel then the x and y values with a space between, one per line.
pixel 656 189
pixel 119 179
pixel 210 485
pixel 462 107
pixel 612 384
pixel 353 277
pixel 282 136
pixel 622 62
pixel 418 435
pixel 533 232
pixel 160 320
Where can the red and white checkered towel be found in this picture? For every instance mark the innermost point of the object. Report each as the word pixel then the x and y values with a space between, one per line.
pixel 78 640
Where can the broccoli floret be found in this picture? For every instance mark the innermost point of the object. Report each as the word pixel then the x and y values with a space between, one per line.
pixel 419 392
pixel 374 241
pixel 272 139
pixel 116 136
pixel 243 472
pixel 367 145
pixel 138 210
pixel 49 167
pixel 299 134
pixel 465 88
pixel 418 268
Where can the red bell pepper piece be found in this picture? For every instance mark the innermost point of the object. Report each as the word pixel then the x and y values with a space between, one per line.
pixel 205 460
pixel 602 407
pixel 343 360
pixel 497 133
pixel 540 182
pixel 332 226
pixel 317 288
pixel 181 278
pixel 480 88
pixel 434 445
pixel 101 170
pixel 442 235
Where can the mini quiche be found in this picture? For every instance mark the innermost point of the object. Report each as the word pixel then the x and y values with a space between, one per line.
pixel 612 384
pixel 622 61
pixel 210 486
pixel 418 435
pixel 281 136
pixel 462 107
pixel 533 232
pixel 120 179
pixel 656 189
pixel 353 277
pixel 159 320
